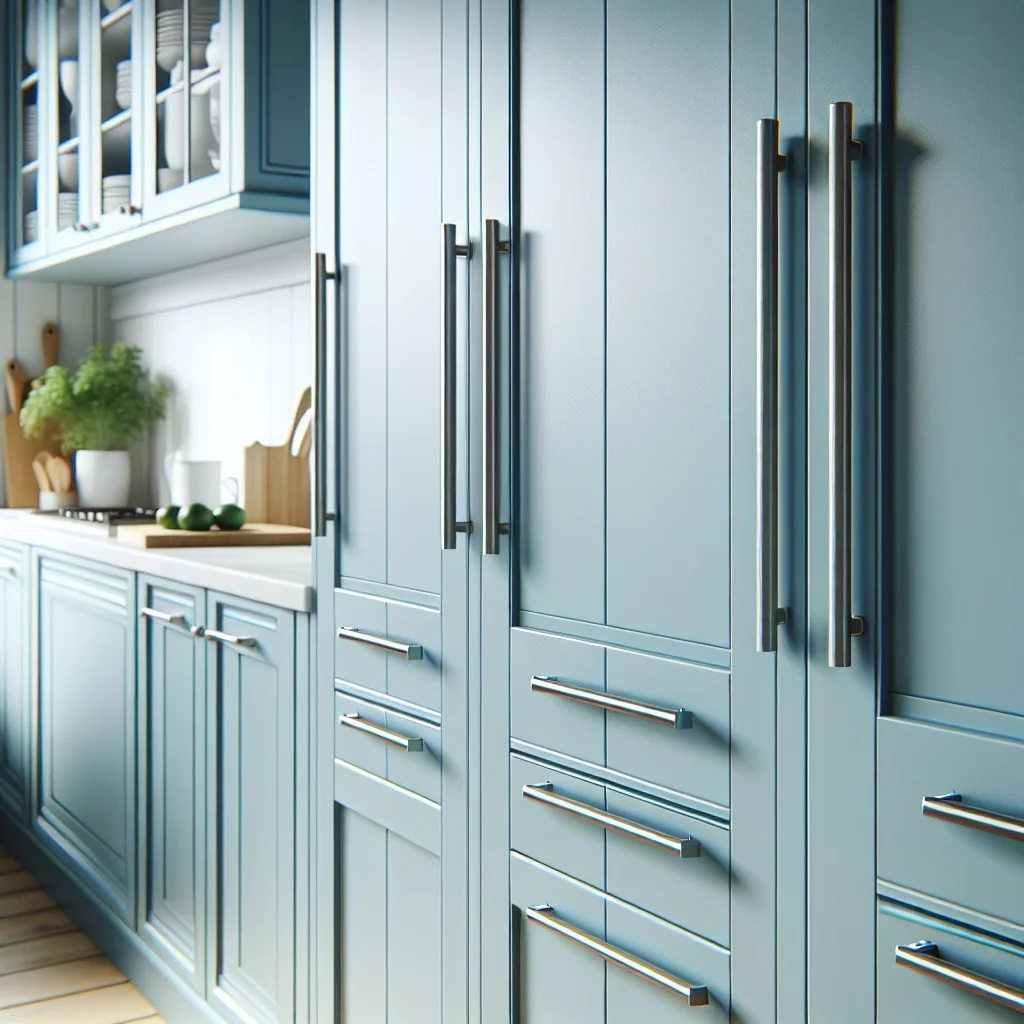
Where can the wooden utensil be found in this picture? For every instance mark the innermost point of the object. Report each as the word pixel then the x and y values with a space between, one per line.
pixel 39 469
pixel 51 345
pixel 150 535
pixel 276 482
pixel 59 473
pixel 14 378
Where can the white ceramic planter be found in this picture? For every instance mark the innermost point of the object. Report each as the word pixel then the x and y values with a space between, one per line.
pixel 103 479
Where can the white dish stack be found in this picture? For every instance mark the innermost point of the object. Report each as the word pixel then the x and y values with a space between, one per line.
pixel 31 146
pixel 67 209
pixel 170 33
pixel 123 86
pixel 117 192
pixel 31 226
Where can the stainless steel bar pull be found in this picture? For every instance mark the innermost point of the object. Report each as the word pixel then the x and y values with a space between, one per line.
pixel 544 915
pixel 215 635
pixel 843 149
pixel 924 956
pixel 674 718
pixel 951 808
pixel 678 846
pixel 410 744
pixel 320 278
pixel 769 165
pixel 179 621
pixel 493 247
pixel 450 251
pixel 411 652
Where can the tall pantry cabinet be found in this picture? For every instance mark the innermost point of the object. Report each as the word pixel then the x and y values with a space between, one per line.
pixel 667 502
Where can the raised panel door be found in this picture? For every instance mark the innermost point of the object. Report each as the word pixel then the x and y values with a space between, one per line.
pixel 87 722
pixel 172 769
pixel 251 804
pixel 15 681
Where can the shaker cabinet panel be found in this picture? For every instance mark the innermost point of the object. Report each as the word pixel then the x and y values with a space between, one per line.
pixel 87 715
pixel 15 681
pixel 252 699
pixel 172 768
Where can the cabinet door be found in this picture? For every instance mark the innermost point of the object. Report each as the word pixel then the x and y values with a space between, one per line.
pixel 390 938
pixel 172 784
pixel 937 369
pixel 627 396
pixel 398 174
pixel 15 681
pixel 251 800
pixel 87 724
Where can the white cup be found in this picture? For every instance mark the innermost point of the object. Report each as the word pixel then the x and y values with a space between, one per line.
pixel 191 481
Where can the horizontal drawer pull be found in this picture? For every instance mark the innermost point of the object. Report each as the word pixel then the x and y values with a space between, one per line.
pixel 215 635
pixel 544 915
pixel 674 718
pixel 952 808
pixel 410 744
pixel 411 652
pixel 924 957
pixel 179 621
pixel 679 846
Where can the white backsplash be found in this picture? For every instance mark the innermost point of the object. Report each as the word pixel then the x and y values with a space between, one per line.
pixel 79 311
pixel 233 337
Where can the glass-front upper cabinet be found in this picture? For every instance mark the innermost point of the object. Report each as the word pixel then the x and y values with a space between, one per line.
pixel 153 134
pixel 190 76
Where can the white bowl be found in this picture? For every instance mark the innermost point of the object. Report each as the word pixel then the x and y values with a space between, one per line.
pixel 69 80
pixel 67 29
pixel 168 178
pixel 202 140
pixel 67 170
pixel 111 5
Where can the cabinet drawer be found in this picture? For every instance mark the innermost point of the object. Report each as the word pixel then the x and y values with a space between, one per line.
pixel 370 651
pixel 632 854
pixel 941 855
pixel 397 747
pixel 680 741
pixel 921 993
pixel 565 977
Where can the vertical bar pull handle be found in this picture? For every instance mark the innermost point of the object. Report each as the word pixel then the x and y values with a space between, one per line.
pixel 769 165
pixel 450 251
pixel 493 246
pixel 843 149
pixel 320 278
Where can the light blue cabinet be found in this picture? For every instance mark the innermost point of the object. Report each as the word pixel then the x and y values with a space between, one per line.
pixel 109 180
pixel 173 847
pixel 251 809
pixel 15 681
pixel 87 696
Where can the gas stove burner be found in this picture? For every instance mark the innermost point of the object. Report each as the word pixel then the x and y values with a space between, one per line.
pixel 109 516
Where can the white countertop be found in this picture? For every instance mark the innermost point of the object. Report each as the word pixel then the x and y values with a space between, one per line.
pixel 279 576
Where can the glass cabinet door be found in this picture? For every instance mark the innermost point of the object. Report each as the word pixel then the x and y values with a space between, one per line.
pixel 189 50
pixel 26 138
pixel 115 185
pixel 66 107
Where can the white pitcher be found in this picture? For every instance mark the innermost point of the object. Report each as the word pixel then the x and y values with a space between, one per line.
pixel 191 481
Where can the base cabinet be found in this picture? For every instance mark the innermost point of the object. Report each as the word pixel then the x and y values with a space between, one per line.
pixel 87 724
pixel 15 681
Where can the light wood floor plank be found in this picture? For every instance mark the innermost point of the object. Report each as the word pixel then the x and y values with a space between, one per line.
pixel 8 864
pixel 118 1004
pixel 17 881
pixel 54 949
pixel 23 902
pixel 58 980
pixel 34 925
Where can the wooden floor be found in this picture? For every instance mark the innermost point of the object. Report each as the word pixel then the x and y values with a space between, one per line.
pixel 50 973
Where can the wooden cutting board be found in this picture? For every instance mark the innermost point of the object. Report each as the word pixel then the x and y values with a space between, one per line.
pixel 19 451
pixel 149 535
pixel 276 482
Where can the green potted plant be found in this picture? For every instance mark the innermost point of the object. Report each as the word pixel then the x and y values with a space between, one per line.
pixel 96 412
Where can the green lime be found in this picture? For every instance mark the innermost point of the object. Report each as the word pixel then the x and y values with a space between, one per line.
pixel 167 517
pixel 195 517
pixel 229 517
